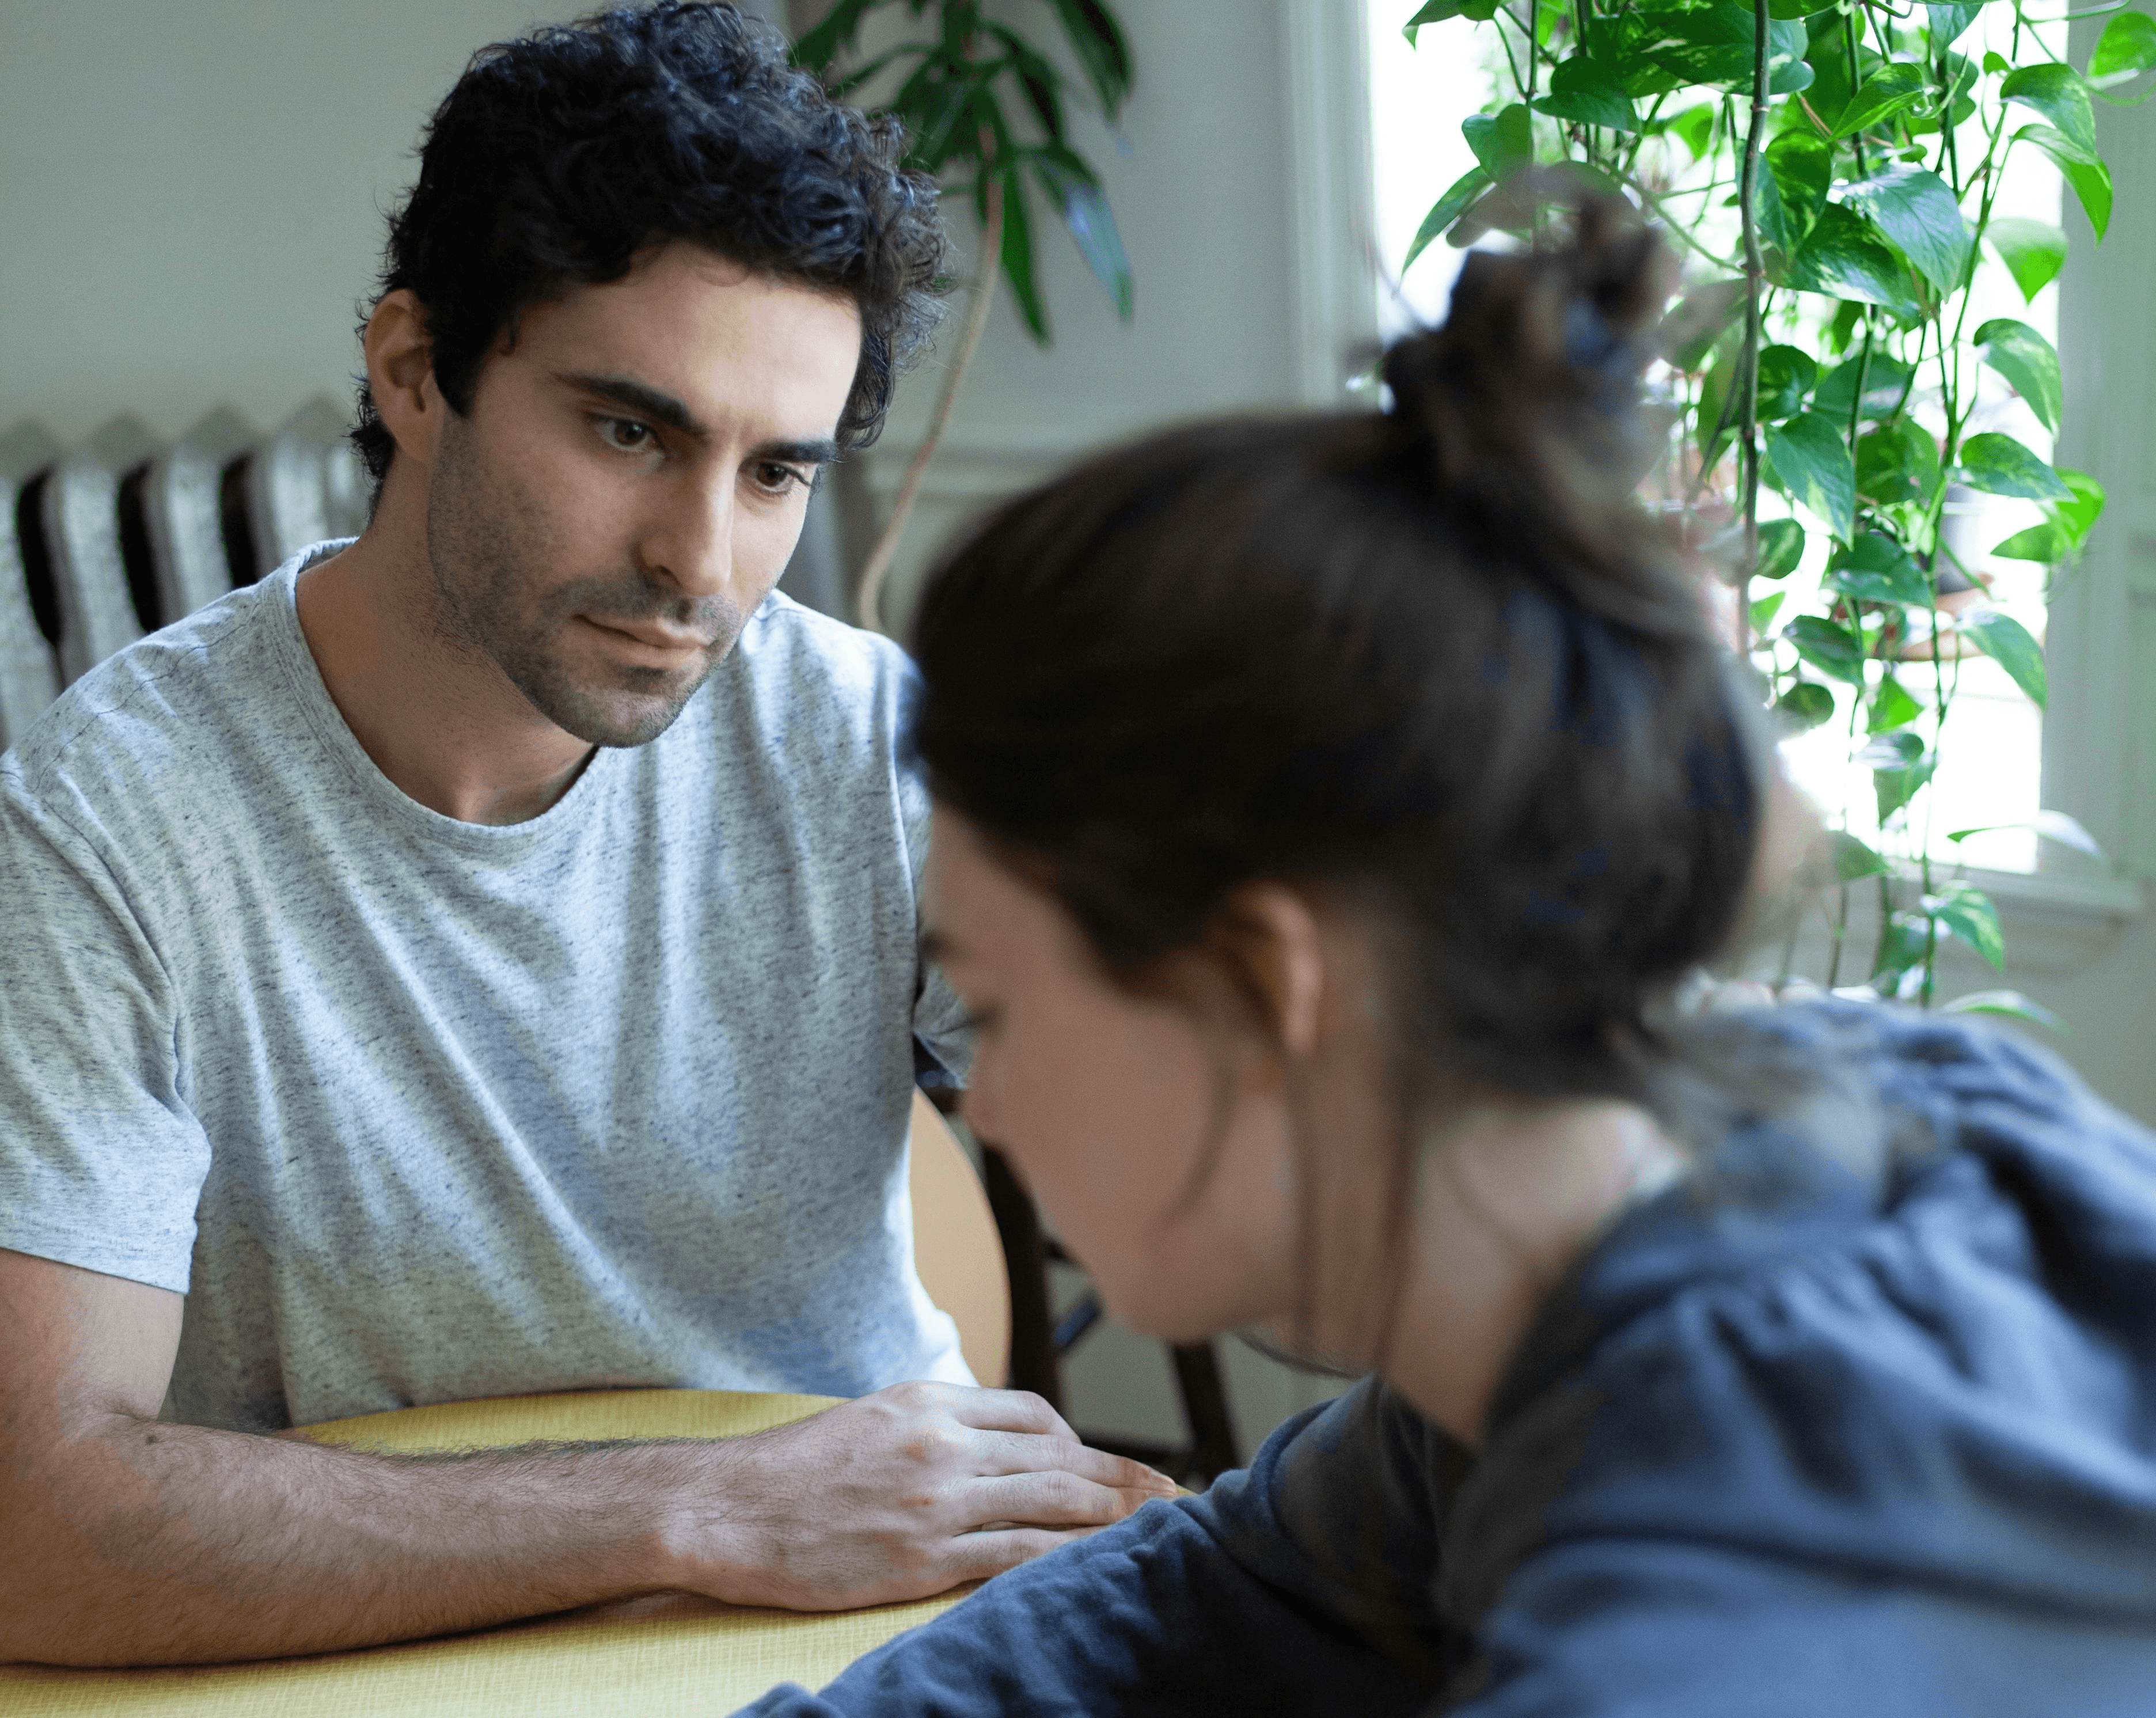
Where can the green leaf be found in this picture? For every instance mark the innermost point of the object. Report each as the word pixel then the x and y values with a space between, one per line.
pixel 1097 40
pixel 1892 707
pixel 1905 947
pixel 1900 766
pixel 1844 257
pixel 2078 516
pixel 2083 168
pixel 1092 226
pixel 1764 610
pixel 1966 912
pixel 1697 321
pixel 1781 547
pixel 2058 93
pixel 1875 569
pixel 2010 1003
pixel 1586 89
pixel 1829 647
pixel 1805 705
pixel 1481 10
pixel 1854 862
pixel 2047 542
pixel 1713 45
pixel 816 48
pixel 1786 376
pixel 2008 643
pixel 1896 463
pixel 1501 141
pixel 2126 49
pixel 1949 21
pixel 1017 253
pixel 2052 825
pixel 1998 464
pixel 2033 251
pixel 2068 832
pixel 1916 210
pixel 1802 167
pixel 2024 358
pixel 1894 87
pixel 1693 127
pixel 1812 460
pixel 1447 209
pixel 1884 380
pixel 1713 396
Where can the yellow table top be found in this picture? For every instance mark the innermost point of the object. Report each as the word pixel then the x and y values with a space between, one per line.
pixel 650 1657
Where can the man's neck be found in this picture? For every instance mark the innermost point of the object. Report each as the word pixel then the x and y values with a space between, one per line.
pixel 440 721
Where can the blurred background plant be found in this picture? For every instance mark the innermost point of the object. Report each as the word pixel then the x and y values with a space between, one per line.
pixel 984 108
pixel 1851 377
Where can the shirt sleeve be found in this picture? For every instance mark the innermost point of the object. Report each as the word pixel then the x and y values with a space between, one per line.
pixel 1293 1587
pixel 101 1162
pixel 942 1025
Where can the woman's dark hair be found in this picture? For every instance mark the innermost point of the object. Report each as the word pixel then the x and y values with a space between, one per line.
pixel 559 156
pixel 1439 661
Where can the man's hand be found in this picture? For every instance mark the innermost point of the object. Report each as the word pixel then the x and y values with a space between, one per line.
pixel 171 1544
pixel 896 1496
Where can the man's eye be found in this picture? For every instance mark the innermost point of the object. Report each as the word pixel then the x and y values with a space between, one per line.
pixel 776 479
pixel 626 435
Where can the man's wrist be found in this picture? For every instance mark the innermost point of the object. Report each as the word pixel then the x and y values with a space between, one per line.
pixel 694 1534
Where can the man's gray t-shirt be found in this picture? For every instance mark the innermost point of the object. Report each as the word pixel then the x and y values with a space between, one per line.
pixel 417 1110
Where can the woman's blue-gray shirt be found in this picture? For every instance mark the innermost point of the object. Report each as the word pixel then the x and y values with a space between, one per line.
pixel 1857 1420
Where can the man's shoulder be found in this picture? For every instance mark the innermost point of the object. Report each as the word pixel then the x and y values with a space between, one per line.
pixel 806 680
pixel 170 702
pixel 788 639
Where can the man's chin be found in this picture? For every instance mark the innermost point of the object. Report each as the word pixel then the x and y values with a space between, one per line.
pixel 615 717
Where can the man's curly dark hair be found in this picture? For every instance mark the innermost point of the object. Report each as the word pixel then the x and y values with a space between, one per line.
pixel 561 155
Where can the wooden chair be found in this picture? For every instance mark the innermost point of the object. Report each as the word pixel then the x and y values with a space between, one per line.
pixel 29 665
pixel 955 1247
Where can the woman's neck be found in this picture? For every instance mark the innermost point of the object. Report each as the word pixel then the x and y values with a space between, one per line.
pixel 1507 1199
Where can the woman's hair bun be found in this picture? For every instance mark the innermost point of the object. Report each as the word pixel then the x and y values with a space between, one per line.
pixel 1526 397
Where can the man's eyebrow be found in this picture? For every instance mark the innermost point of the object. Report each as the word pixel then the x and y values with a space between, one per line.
pixel 650 403
pixel 657 407
pixel 819 451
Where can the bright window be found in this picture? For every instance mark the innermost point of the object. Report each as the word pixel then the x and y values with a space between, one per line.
pixel 1990 770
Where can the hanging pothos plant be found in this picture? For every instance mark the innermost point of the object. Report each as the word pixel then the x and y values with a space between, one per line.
pixel 1831 175
pixel 984 111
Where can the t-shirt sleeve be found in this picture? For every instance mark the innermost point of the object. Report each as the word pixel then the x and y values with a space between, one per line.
pixel 101 1162
pixel 943 1027
pixel 1276 1591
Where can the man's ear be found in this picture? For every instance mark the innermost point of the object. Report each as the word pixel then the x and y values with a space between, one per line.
pixel 400 375
pixel 1275 935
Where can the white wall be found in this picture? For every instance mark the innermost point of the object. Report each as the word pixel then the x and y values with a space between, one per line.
pixel 190 194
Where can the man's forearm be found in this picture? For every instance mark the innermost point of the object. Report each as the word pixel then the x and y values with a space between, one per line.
pixel 165 1544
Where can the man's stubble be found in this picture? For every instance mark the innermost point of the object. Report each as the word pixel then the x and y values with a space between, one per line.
pixel 489 542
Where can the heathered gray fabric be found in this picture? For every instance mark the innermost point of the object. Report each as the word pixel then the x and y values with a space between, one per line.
pixel 415 1110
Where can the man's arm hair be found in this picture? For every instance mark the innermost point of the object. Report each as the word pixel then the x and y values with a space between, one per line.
pixel 171 1544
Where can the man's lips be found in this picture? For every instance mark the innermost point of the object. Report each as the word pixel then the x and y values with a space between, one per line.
pixel 646 639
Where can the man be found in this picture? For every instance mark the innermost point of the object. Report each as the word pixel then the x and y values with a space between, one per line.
pixel 482 959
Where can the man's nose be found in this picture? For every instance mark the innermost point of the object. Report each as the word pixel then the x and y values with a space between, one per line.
pixel 690 544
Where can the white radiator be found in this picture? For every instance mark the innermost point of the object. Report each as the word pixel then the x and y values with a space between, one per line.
pixel 106 542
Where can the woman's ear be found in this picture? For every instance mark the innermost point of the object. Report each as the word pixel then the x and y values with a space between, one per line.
pixel 400 374
pixel 1279 940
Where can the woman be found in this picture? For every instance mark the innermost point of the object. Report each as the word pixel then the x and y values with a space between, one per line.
pixel 1329 810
